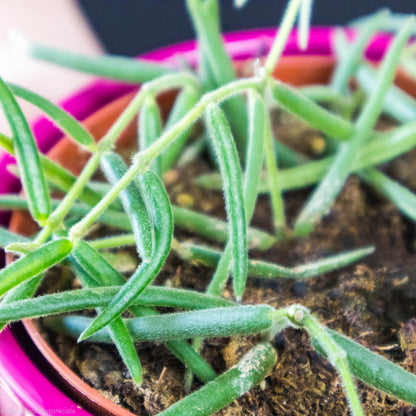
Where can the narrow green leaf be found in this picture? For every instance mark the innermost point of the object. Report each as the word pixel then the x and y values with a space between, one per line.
pixel 114 168
pixel 158 206
pixel 393 24
pixel 98 297
pixel 27 156
pixel 375 370
pixel 186 99
pixel 207 256
pixel 252 174
pixel 207 323
pixel 230 169
pixel 273 177
pixel 205 72
pixel 302 318
pixel 304 23
pixel 125 346
pixel 322 198
pixel 61 118
pixel 23 291
pixel 254 153
pixel 253 169
pixel 192 360
pixel 349 58
pixel 114 67
pixel 150 127
pixel 398 104
pixel 34 263
pixel 7 237
pixel 55 174
pixel 217 230
pixel 402 197
pixel 344 105
pixel 236 381
pixel 114 241
pixel 206 22
pixel 387 72
pixel 279 43
pixel 85 271
pixel 318 117
pixel 96 266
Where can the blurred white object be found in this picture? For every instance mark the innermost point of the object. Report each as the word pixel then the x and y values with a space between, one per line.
pixel 58 23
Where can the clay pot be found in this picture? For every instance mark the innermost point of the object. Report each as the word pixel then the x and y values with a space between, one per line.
pixel 313 68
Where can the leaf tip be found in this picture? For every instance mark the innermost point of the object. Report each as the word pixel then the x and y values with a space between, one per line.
pixel 85 334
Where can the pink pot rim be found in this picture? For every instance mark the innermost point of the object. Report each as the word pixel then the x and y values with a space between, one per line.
pixel 24 379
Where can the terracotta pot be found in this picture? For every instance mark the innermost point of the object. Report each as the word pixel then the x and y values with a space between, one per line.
pixel 298 70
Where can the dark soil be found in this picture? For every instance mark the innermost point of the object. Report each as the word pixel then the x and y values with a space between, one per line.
pixel 373 302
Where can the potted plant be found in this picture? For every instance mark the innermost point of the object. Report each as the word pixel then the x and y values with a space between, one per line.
pixel 67 235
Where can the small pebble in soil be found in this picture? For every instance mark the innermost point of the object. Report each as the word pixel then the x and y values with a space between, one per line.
pixel 318 145
pixel 334 294
pixel 300 289
pixel 185 200
pixel 170 177
pixel 279 341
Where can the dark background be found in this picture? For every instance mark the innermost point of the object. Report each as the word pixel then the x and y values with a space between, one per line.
pixel 129 27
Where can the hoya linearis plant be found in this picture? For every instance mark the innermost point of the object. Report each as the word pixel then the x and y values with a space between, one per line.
pixel 237 126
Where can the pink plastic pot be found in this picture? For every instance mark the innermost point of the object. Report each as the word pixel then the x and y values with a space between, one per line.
pixel 27 383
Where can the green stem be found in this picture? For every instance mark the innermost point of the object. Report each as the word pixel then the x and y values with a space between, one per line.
pixel 142 160
pixel 170 81
pixel 273 176
pixel 301 317
pixel 280 41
